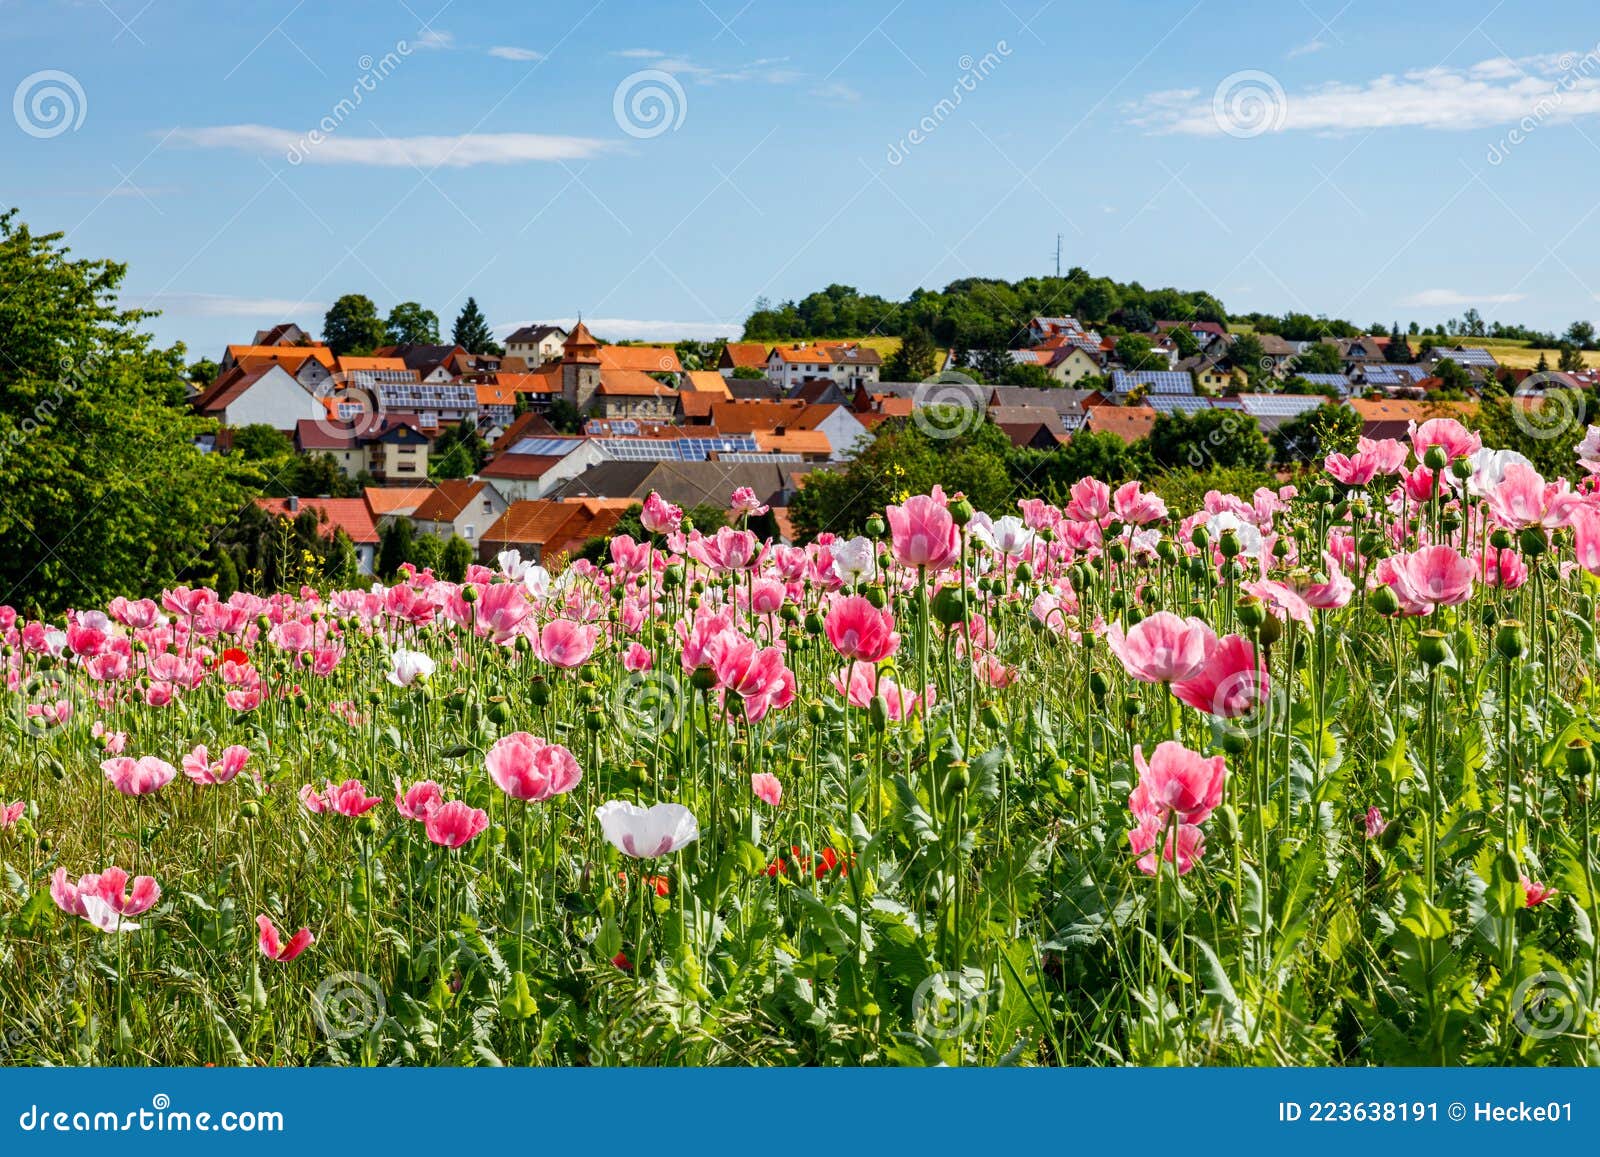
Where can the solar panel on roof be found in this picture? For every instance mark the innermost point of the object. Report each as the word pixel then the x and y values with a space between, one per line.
pixel 1154 381
pixel 1337 381
pixel 544 447
pixel 1279 405
pixel 1182 403
pixel 1473 356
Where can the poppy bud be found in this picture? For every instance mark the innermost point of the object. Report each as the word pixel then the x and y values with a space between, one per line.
pixel 1384 601
pixel 878 712
pixel 1130 707
pixel 469 594
pixel 1270 630
pixel 1133 616
pixel 960 777
pixel 1097 685
pixel 366 824
pixel 1509 639
pixel 991 715
pixel 1580 758
pixel 249 809
pixel 703 679
pixel 539 691
pixel 816 713
pixel 1235 741
pixel 1432 648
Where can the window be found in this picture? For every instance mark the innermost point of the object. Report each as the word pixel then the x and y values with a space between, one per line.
pixel 468 532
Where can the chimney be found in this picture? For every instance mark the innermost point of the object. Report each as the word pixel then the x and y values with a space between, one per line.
pixel 293 504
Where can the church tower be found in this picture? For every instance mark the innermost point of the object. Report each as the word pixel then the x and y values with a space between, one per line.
pixel 580 368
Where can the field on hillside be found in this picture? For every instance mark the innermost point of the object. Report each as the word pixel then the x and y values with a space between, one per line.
pixel 1299 777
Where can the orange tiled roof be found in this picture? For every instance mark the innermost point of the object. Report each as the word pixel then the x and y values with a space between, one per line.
pixel 706 382
pixel 448 499
pixel 383 500
pixel 1130 423
pixel 632 384
pixel 747 353
pixel 645 359
pixel 347 514
pixel 283 354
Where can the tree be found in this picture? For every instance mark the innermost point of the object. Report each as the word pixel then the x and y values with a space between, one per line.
pixel 352 326
pixel 1247 354
pixel 905 459
pixel 108 493
pixel 258 442
pixel 1457 380
pixel 343 566
pixel 394 547
pixel 1089 453
pixel 1182 337
pixel 1398 351
pixel 564 416
pixel 455 559
pixel 1571 358
pixel 410 324
pixel 203 372
pixel 459 451
pixel 471 331
pixel 1206 439
pixel 748 374
pixel 1542 366
pixel 426 553
pixel 1313 435
pixel 1028 374
pixel 1136 352
pixel 1319 358
pixel 1581 334
pixel 916 360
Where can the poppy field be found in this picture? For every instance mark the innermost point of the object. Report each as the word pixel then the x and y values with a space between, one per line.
pixel 1301 777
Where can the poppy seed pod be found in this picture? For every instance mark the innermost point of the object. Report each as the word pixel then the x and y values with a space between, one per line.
pixel 1533 542
pixel 877 596
pixel 469 594
pixel 1383 600
pixel 1251 610
pixel 875 526
pixel 1500 539
pixel 1432 648
pixel 1024 573
pixel 1462 468
pixel 960 510
pixel 1510 640
pixel 1435 458
pixel 1228 544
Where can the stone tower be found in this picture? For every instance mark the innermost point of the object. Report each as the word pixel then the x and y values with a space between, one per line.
pixel 580 368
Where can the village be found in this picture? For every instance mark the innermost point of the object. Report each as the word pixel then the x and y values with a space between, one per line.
pixel 578 431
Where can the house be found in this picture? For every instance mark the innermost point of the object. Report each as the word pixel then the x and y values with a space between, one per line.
pixel 531 467
pixel 1357 353
pixel 839 423
pixel 540 529
pixel 335 514
pixel 535 344
pixel 687 484
pixel 264 396
pixel 463 507
pixel 1477 360
pixel 392 447
pixel 1272 410
pixel 798 445
pixel 372 373
pixel 286 333
pixel 1210 375
pixel 821 392
pixel 1042 330
pixel 1392 418
pixel 1067 405
pixel 745 355
pixel 1211 335
pixel 388 504
pixel 1028 427
pixel 706 382
pixel 1126 382
pixel 1277 352
pixel 849 364
pixel 633 395
pixel 1130 423
pixel 1068 363
pixel 436 365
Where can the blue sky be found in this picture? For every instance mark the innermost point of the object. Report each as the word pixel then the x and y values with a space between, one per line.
pixel 1368 160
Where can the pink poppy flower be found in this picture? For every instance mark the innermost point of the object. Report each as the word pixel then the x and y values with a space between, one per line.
pixel 417 801
pixel 566 644
pixel 1376 825
pixel 110 887
pixel 525 767
pixel 1448 434
pixel 659 516
pixel 12 812
pixel 1330 595
pixel 201 769
pixel 1133 505
pixel 1185 850
pixel 1162 648
pixel 272 945
pixel 1177 780
pixel 1231 681
pixel 923 533
pixel 453 824
pixel 752 672
pixel 637 657
pixel 727 550
pixel 745 502
pixel 1536 892
pixel 859 630
pixel 349 798
pixel 1435 575
pixel 142 776
pixel 861 682
pixel 501 607
pixel 1091 500
pixel 767 788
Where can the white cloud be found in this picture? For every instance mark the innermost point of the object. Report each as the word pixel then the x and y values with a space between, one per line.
pixel 1501 90
pixel 766 68
pixel 511 52
pixel 223 305
pixel 338 148
pixel 1452 298
pixel 837 91
pixel 1307 48
pixel 433 38
pixel 637 329
pixel 641 53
